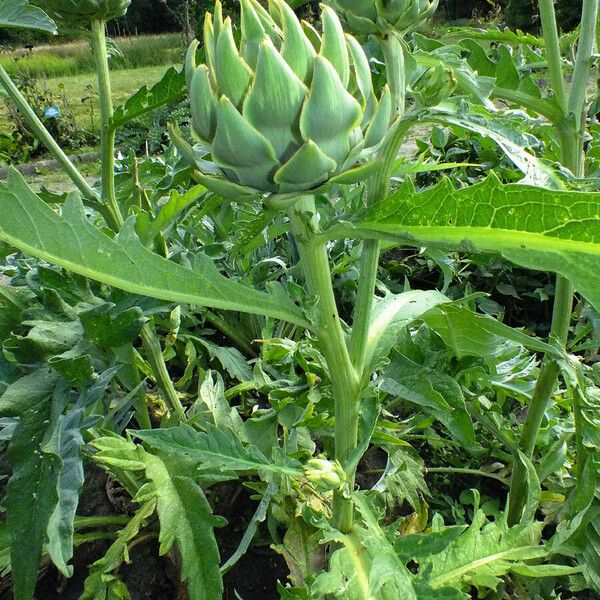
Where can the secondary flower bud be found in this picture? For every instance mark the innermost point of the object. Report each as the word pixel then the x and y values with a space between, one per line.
pixel 79 13
pixel 325 475
pixel 433 86
pixel 285 109
pixel 381 16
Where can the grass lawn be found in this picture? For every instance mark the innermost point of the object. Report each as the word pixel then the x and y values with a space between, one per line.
pixel 72 89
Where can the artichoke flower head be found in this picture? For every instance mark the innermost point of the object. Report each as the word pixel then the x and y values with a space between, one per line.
pixel 382 16
pixel 80 13
pixel 287 109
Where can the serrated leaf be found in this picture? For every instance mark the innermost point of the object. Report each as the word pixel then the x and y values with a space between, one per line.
pixel 69 240
pixel 481 555
pixel 171 88
pixel 435 392
pixel 186 519
pixel 513 142
pixel 211 392
pixel 20 14
pixel 541 229
pixel 231 359
pixel 403 480
pixel 214 449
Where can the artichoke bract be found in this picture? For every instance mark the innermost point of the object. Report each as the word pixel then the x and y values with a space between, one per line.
pixel 383 16
pixel 287 109
pixel 79 13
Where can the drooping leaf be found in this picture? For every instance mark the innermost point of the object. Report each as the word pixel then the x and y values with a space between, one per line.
pixel 171 88
pixel 32 489
pixel 20 14
pixel 513 142
pixel 66 443
pixel 101 582
pixel 258 517
pixel 302 551
pixel 69 240
pixel 541 229
pixel 471 334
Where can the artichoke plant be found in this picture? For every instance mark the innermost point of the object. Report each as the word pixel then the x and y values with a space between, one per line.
pixel 383 16
pixel 285 110
pixel 79 13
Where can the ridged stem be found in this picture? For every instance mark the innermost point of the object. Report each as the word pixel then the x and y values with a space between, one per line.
pixel 378 189
pixel 107 149
pixel 45 136
pixel 583 60
pixel 571 151
pixel 553 56
pixel 345 383
pixel 149 339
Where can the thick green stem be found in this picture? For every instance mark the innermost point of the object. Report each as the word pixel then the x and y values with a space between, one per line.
pixel 378 189
pixel 45 137
pixel 369 263
pixel 109 198
pixel 546 382
pixel 553 56
pixel 107 150
pixel 571 153
pixel 583 60
pixel 345 382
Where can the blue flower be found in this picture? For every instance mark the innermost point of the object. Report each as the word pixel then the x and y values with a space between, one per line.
pixel 52 112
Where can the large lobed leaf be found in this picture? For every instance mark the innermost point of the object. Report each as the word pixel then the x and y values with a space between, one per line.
pixel 20 14
pixel 71 241
pixel 541 229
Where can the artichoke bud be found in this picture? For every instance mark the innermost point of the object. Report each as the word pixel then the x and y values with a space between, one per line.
pixel 284 110
pixel 383 16
pixel 433 86
pixel 325 475
pixel 80 13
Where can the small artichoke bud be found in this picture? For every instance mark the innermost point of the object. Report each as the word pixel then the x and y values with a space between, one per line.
pixel 383 16
pixel 80 13
pixel 284 110
pixel 325 475
pixel 433 86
